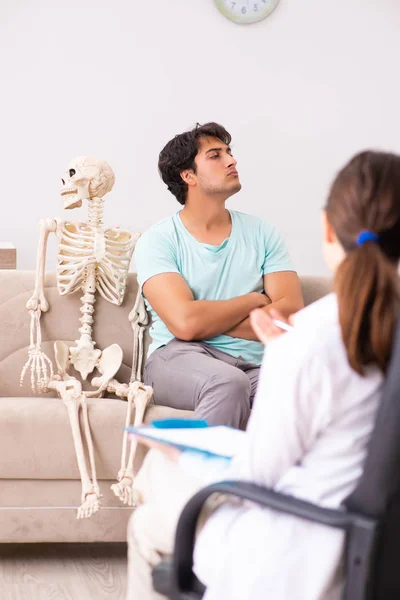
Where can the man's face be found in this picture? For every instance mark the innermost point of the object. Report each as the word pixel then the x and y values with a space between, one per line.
pixel 216 168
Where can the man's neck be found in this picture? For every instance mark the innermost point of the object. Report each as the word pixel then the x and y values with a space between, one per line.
pixel 207 220
pixel 205 214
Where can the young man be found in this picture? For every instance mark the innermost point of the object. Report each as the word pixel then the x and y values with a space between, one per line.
pixel 202 271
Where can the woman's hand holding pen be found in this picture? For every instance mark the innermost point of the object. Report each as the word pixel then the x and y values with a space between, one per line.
pixel 269 325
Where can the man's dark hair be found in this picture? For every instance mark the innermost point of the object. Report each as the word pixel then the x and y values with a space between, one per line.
pixel 180 152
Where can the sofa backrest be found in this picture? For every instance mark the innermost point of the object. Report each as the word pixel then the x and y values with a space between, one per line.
pixel 61 322
pixel 315 288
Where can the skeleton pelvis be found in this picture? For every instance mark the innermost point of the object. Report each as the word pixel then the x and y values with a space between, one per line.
pixel 85 359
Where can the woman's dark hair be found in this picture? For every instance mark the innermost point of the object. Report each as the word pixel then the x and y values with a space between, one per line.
pixel 180 153
pixel 365 196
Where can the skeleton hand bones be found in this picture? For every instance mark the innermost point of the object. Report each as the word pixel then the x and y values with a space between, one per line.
pixel 40 365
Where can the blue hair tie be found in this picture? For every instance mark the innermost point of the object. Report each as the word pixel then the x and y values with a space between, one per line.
pixel 367 236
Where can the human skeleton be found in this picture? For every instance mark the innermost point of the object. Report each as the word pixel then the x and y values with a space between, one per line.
pixel 94 259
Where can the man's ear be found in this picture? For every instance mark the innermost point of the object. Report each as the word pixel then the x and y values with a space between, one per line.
pixel 188 176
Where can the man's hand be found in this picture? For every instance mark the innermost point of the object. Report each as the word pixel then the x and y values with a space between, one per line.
pixel 283 290
pixel 264 327
pixel 260 299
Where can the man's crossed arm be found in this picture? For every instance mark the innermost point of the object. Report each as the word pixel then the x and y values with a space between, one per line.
pixel 189 319
pixel 283 290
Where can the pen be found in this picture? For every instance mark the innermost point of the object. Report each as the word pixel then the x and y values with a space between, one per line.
pixel 282 324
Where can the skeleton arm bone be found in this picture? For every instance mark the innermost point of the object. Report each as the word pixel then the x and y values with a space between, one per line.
pixel 139 319
pixel 40 366
pixel 37 300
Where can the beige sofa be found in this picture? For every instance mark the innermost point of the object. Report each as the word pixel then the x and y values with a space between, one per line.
pixel 39 478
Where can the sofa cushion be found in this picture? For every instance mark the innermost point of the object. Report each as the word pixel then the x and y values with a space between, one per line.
pixel 41 493
pixel 36 438
pixel 57 525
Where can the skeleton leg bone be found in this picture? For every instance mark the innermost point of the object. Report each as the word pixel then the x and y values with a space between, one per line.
pixel 71 393
pixel 124 489
pixel 89 442
pixel 140 395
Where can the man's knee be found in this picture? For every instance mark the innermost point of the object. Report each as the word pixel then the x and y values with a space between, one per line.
pixel 227 395
pixel 233 384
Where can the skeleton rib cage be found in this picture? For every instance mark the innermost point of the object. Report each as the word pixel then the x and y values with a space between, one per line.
pixel 109 249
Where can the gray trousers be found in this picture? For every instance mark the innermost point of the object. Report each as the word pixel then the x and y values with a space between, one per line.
pixel 195 376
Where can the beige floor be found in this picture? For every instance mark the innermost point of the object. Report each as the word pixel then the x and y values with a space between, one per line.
pixel 63 571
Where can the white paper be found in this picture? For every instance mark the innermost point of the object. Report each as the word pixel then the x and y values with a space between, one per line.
pixel 219 440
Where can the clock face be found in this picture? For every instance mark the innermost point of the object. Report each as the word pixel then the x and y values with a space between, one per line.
pixel 246 11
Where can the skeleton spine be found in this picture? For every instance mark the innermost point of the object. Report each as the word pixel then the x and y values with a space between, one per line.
pixel 87 308
pixel 96 206
pixel 89 287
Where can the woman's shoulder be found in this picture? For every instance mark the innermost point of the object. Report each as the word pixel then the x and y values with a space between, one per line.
pixel 315 343
pixel 316 325
pixel 312 358
pixel 321 315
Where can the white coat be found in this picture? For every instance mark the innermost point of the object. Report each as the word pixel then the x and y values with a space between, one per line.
pixel 307 436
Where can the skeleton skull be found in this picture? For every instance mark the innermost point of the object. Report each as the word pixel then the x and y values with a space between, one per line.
pixel 86 177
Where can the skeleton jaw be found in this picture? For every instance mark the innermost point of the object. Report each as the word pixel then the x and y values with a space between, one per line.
pixel 71 198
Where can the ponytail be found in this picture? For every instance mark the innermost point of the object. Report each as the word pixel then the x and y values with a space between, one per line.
pixel 367 287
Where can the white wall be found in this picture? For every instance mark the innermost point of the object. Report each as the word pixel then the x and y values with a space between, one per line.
pixel 300 92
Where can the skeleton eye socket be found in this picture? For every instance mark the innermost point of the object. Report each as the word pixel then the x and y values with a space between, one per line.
pixel 72 172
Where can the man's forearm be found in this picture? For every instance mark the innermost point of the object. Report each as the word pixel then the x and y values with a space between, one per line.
pixel 205 319
pixel 244 329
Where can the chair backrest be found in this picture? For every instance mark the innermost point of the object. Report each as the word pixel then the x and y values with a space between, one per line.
pixel 378 491
pixel 381 474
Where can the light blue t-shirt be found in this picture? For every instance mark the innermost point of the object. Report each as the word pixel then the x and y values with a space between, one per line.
pixel 236 267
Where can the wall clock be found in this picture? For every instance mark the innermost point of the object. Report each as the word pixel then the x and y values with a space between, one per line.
pixel 246 11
